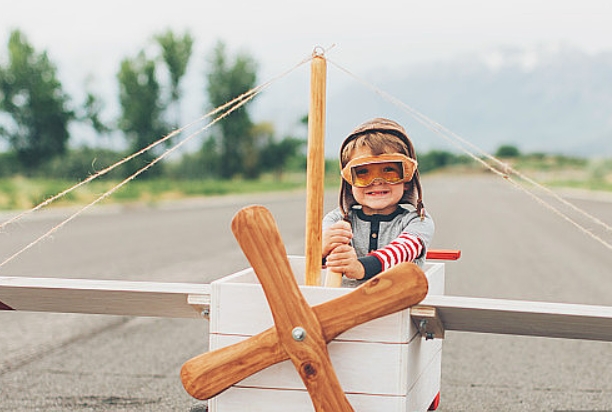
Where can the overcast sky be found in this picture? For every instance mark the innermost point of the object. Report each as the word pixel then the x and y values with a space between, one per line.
pixel 91 37
pixel 97 34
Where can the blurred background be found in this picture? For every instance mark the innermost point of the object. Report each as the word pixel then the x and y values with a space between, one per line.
pixel 82 85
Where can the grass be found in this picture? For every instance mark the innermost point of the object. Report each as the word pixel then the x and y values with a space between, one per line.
pixel 19 193
pixel 559 171
pixel 553 171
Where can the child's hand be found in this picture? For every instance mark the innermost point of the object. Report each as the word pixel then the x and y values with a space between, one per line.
pixel 343 259
pixel 340 233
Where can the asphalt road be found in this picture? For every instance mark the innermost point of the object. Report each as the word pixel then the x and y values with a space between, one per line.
pixel 512 247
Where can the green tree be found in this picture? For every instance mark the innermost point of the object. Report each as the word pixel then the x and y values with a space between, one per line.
pixel 228 79
pixel 91 110
pixel 36 127
pixel 176 53
pixel 435 159
pixel 202 164
pixel 507 151
pixel 276 154
pixel 139 95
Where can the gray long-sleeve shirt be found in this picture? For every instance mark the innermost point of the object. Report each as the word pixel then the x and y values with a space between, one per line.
pixel 372 232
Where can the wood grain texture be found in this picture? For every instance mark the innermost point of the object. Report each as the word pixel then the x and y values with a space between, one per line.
pixel 398 288
pixel 315 170
pixel 106 297
pixel 258 236
pixel 333 279
pixel 528 318
pixel 211 373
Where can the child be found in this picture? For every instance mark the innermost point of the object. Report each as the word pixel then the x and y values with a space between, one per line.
pixel 381 220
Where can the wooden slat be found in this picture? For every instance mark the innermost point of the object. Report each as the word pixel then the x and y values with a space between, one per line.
pixel 110 297
pixel 554 320
pixel 443 254
pixel 186 300
pixel 315 170
pixel 257 233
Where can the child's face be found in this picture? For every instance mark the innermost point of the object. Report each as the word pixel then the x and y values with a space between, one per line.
pixel 380 197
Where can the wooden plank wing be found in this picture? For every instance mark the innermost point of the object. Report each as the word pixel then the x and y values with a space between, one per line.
pixel 513 317
pixel 109 297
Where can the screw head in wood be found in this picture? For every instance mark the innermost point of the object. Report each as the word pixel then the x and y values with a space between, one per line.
pixel 298 333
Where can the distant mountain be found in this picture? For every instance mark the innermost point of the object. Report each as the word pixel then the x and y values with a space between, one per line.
pixel 544 100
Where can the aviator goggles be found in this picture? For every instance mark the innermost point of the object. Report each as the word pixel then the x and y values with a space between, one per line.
pixel 390 168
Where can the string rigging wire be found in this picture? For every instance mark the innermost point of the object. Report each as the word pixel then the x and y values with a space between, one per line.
pixel 502 170
pixel 224 111
pixel 247 95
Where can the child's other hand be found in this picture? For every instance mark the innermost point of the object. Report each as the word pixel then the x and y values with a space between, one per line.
pixel 340 233
pixel 343 259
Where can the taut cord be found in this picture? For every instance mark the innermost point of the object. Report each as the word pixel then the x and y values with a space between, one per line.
pixel 504 170
pixel 226 109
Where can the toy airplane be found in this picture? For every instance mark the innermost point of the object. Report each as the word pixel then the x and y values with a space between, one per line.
pixel 372 348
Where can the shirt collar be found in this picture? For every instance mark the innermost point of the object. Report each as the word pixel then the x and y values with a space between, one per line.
pixel 380 218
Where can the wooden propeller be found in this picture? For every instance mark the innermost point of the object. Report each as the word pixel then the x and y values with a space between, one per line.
pixel 300 332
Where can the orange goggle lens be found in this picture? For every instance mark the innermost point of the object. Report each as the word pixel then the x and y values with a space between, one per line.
pixel 365 175
pixel 390 168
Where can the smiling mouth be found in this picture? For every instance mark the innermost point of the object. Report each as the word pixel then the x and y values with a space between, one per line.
pixel 377 192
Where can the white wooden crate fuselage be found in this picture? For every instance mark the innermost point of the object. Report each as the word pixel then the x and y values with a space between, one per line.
pixel 383 365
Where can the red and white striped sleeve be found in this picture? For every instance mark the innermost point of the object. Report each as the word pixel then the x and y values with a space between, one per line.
pixel 405 248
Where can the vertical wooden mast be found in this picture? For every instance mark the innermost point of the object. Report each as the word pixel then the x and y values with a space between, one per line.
pixel 315 169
